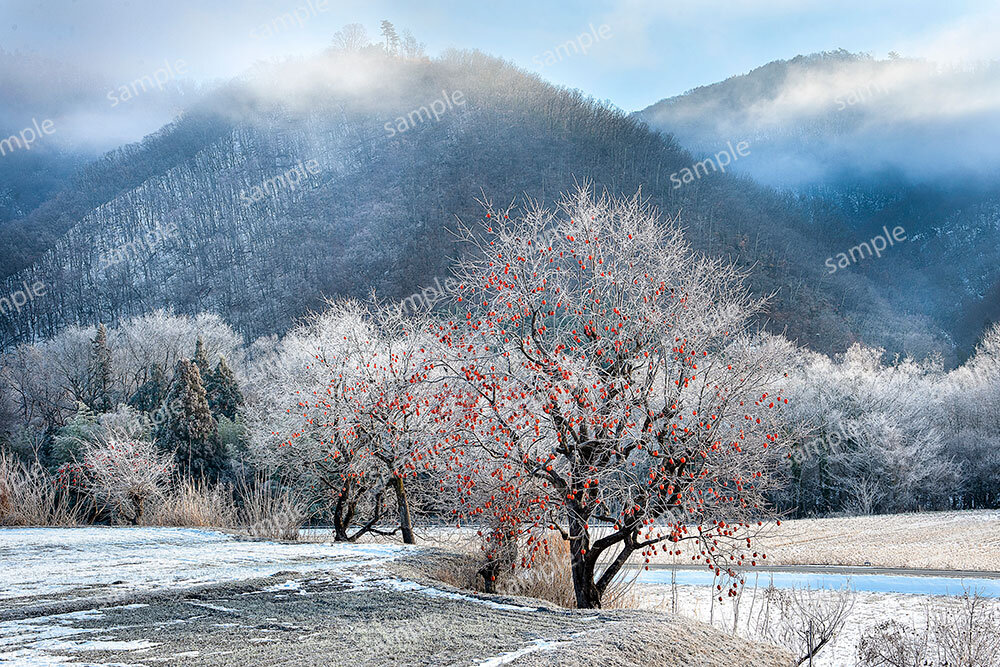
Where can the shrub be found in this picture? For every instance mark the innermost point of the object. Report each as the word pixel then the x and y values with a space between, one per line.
pixel 122 476
pixel 270 511
pixel 195 503
pixel 959 633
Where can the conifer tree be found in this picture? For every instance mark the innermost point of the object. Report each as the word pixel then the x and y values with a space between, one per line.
pixel 79 430
pixel 100 371
pixel 224 396
pixel 201 359
pixel 391 38
pixel 190 427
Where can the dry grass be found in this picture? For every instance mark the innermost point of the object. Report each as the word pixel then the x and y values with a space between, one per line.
pixel 638 640
pixel 262 511
pixel 968 540
pixel 271 513
pixel 549 578
pixel 194 504
pixel 458 570
pixel 29 497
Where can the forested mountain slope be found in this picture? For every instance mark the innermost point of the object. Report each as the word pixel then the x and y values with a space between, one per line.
pixel 376 206
pixel 873 144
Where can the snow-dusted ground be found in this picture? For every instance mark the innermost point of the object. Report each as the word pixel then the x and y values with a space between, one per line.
pixel 162 596
pixel 55 639
pixel 62 565
pixel 63 562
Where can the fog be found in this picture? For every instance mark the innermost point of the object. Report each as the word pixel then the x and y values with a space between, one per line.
pixel 809 121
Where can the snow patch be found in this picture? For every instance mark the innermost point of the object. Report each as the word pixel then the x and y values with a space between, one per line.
pixel 83 562
pixel 537 645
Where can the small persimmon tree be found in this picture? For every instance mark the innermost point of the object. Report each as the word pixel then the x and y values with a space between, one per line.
pixel 305 424
pixel 363 411
pixel 396 398
pixel 615 384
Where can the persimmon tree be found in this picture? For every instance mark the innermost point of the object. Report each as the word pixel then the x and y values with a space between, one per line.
pixel 395 398
pixel 305 424
pixel 613 382
pixel 363 410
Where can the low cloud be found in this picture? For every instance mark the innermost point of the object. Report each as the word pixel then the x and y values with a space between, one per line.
pixel 818 115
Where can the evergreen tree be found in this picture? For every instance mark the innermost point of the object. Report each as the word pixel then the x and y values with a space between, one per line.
pixel 224 396
pixel 100 371
pixel 391 38
pixel 81 428
pixel 201 359
pixel 190 427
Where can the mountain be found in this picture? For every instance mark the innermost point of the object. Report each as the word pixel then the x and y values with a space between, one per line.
pixel 81 123
pixel 837 116
pixel 385 154
pixel 29 178
pixel 875 144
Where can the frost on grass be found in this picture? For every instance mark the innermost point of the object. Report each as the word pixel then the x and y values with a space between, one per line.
pixel 46 640
pixel 83 562
pixel 407 586
pixel 966 540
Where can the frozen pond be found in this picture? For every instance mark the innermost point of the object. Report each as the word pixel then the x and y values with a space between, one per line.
pixel 869 583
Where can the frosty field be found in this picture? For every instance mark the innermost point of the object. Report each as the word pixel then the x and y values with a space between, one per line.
pixel 968 540
pixel 869 609
pixel 155 596
pixel 66 564
pixel 151 596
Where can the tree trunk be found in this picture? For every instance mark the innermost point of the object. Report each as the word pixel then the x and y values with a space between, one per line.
pixel 339 529
pixel 583 562
pixel 343 515
pixel 501 560
pixel 489 574
pixel 405 525
pixel 137 507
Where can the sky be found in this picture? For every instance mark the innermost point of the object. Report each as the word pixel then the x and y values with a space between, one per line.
pixel 651 49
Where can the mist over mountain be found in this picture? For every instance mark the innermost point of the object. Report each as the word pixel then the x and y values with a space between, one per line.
pixel 836 116
pixel 390 181
pixel 876 144
pixel 378 212
pixel 86 114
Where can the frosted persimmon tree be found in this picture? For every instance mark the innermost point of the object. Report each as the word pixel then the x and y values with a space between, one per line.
pixel 397 398
pixel 364 412
pixel 614 383
pixel 305 426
